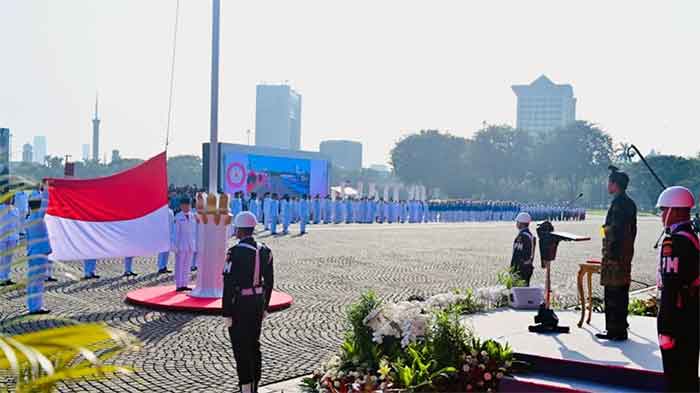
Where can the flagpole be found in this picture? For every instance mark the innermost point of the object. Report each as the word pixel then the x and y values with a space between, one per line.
pixel 214 111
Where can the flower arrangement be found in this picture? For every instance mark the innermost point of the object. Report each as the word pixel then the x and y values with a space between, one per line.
pixel 418 345
pixel 648 307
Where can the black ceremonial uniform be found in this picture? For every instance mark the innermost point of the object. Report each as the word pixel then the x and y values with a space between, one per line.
pixel 247 292
pixel 616 268
pixel 678 282
pixel 523 254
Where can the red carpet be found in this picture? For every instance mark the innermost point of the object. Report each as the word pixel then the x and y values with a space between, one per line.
pixel 165 298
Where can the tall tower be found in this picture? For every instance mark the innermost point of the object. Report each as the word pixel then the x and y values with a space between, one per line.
pixel 96 133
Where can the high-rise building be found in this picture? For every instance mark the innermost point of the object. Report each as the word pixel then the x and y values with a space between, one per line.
pixel 343 154
pixel 86 151
pixel 278 117
pixel 27 152
pixel 544 106
pixel 40 151
pixel 96 133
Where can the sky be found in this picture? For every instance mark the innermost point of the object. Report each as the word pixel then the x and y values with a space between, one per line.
pixel 368 70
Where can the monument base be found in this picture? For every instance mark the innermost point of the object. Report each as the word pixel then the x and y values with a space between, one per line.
pixel 166 298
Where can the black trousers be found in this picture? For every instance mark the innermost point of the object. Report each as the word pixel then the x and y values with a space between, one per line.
pixel 245 338
pixel 525 272
pixel 681 362
pixel 617 301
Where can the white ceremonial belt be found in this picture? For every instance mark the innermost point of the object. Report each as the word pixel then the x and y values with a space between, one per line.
pixel 252 291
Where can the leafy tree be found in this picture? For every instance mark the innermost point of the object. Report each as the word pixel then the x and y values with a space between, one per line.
pixel 673 170
pixel 431 158
pixel 575 153
pixel 184 170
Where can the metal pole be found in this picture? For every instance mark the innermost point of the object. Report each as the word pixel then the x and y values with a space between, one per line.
pixel 214 115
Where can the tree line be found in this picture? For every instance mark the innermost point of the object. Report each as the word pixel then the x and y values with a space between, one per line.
pixel 182 169
pixel 500 162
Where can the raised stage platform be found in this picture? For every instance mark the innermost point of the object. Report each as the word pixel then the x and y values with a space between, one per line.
pixel 576 361
pixel 166 298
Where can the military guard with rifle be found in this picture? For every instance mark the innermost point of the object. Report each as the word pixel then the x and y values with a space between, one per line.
pixel 248 281
pixel 678 279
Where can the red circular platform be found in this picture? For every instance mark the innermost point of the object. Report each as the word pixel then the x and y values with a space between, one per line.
pixel 166 298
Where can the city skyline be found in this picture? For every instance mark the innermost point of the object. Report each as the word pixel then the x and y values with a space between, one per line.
pixel 373 85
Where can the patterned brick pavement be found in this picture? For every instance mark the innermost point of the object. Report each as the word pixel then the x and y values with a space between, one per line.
pixel 324 271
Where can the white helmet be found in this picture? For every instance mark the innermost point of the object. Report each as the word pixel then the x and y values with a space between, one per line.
pixel 245 219
pixel 676 196
pixel 523 218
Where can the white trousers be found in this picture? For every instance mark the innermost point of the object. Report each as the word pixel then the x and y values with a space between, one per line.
pixel 183 260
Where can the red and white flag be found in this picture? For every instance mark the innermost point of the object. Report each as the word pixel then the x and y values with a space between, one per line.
pixel 122 215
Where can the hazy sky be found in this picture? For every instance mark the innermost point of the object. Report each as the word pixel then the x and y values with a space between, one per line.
pixel 368 70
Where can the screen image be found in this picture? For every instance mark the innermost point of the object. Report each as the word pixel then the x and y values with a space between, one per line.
pixel 282 175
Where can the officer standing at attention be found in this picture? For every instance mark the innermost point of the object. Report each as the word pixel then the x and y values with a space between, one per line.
pixel 304 213
pixel 10 237
pixel 236 203
pixel 273 212
pixel 248 282
pixel 327 210
pixel 317 209
pixel 184 244
pixel 266 211
pixel 286 212
pixel 523 248
pixel 620 232
pixel 678 279
pixel 38 250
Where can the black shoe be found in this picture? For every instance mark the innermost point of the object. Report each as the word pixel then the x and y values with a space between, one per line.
pixel 51 279
pixel 182 289
pixel 40 311
pixel 193 269
pixel 164 271
pixel 91 277
pixel 612 337
pixel 129 274
pixel 7 283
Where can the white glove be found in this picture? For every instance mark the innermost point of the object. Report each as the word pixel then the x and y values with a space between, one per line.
pixel 228 322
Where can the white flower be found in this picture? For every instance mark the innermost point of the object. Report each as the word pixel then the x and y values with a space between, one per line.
pixel 465 368
pixel 336 384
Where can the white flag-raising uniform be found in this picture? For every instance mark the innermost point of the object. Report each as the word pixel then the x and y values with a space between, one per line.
pixel 122 215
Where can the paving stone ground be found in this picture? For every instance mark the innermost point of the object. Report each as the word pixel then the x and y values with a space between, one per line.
pixel 324 271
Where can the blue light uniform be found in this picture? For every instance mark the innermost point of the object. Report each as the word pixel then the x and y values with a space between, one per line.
pixel 338 214
pixel 236 206
pixel 89 268
pixel 128 265
pixel 22 205
pixel 267 214
pixel 273 212
pixel 317 210
pixel 38 250
pixel 286 211
pixel 348 211
pixel 327 210
pixel 304 214
pixel 9 236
